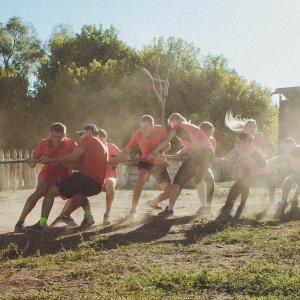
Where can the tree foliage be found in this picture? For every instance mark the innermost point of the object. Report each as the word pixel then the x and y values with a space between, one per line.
pixel 20 51
pixel 93 77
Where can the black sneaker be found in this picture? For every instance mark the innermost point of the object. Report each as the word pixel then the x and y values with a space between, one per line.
pixel 166 213
pixel 64 219
pixel 37 227
pixel 88 221
pixel 20 227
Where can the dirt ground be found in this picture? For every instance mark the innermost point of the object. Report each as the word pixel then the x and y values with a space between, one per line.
pixel 180 229
pixel 144 228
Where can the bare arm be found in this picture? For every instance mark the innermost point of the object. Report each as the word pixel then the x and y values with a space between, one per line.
pixel 66 159
pixel 119 158
pixel 162 145
pixel 183 151
pixel 279 161
pixel 231 153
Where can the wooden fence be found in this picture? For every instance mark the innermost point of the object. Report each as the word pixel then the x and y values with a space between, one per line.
pixel 16 176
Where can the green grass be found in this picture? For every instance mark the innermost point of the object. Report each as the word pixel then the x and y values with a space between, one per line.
pixel 233 260
pixel 270 272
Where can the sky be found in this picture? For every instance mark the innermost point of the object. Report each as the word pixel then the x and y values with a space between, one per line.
pixel 259 38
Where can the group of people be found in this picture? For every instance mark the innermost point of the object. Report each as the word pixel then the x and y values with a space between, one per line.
pixel 77 171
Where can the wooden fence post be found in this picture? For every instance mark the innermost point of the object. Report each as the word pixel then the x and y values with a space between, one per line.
pixel 7 172
pixel 26 172
pixel 2 172
pixel 20 168
pixel 32 176
pixel 13 173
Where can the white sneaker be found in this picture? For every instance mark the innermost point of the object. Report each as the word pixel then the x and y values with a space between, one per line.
pixel 106 219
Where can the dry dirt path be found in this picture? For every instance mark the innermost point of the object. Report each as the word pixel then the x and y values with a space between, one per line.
pixel 146 228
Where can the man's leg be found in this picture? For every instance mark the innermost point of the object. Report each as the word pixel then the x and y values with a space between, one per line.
pixel 296 193
pixel 80 200
pixel 174 194
pixel 201 194
pixel 41 189
pixel 166 187
pixel 46 208
pixel 110 188
pixel 272 182
pixel 74 203
pixel 237 189
pixel 210 187
pixel 185 172
pixel 137 191
pixel 287 184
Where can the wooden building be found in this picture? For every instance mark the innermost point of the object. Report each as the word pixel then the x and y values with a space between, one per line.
pixel 289 113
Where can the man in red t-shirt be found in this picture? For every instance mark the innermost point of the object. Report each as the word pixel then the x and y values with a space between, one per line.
pixel 92 155
pixel 110 183
pixel 54 146
pixel 148 137
pixel 111 175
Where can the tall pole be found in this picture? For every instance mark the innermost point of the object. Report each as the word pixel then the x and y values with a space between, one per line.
pixel 163 88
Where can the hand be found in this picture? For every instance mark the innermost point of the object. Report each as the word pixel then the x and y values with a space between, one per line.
pixel 31 163
pixel 44 160
pixel 151 156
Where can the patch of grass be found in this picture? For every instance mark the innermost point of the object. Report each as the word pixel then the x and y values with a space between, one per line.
pixel 194 259
pixel 235 233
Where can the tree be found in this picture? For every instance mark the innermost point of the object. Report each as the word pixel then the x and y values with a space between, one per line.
pixel 203 88
pixel 20 51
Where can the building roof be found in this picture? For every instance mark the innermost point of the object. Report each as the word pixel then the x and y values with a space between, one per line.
pixel 291 93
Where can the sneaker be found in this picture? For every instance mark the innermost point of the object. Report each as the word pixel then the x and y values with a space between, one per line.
pixel 150 204
pixel 165 213
pixel 106 219
pixel 208 210
pixel 201 211
pixel 37 227
pixel 68 220
pixel 88 221
pixel 19 227
pixel 132 214
pixel 280 209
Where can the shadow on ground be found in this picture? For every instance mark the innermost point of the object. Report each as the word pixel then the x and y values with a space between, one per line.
pixel 185 230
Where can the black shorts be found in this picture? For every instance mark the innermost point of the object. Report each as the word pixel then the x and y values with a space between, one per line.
pixel 195 166
pixel 78 183
pixel 159 172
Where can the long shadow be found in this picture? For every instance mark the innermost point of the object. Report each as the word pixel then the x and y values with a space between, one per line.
pixel 62 238
pixel 201 230
pixel 146 230
pixel 152 230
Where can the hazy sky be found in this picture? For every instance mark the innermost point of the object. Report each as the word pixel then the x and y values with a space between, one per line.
pixel 259 38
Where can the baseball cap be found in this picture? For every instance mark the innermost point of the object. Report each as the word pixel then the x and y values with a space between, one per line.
pixel 91 127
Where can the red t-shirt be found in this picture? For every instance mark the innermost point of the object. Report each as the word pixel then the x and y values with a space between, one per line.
pixel 255 160
pixel 258 139
pixel 53 173
pixel 191 136
pixel 149 143
pixel 111 170
pixel 94 158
